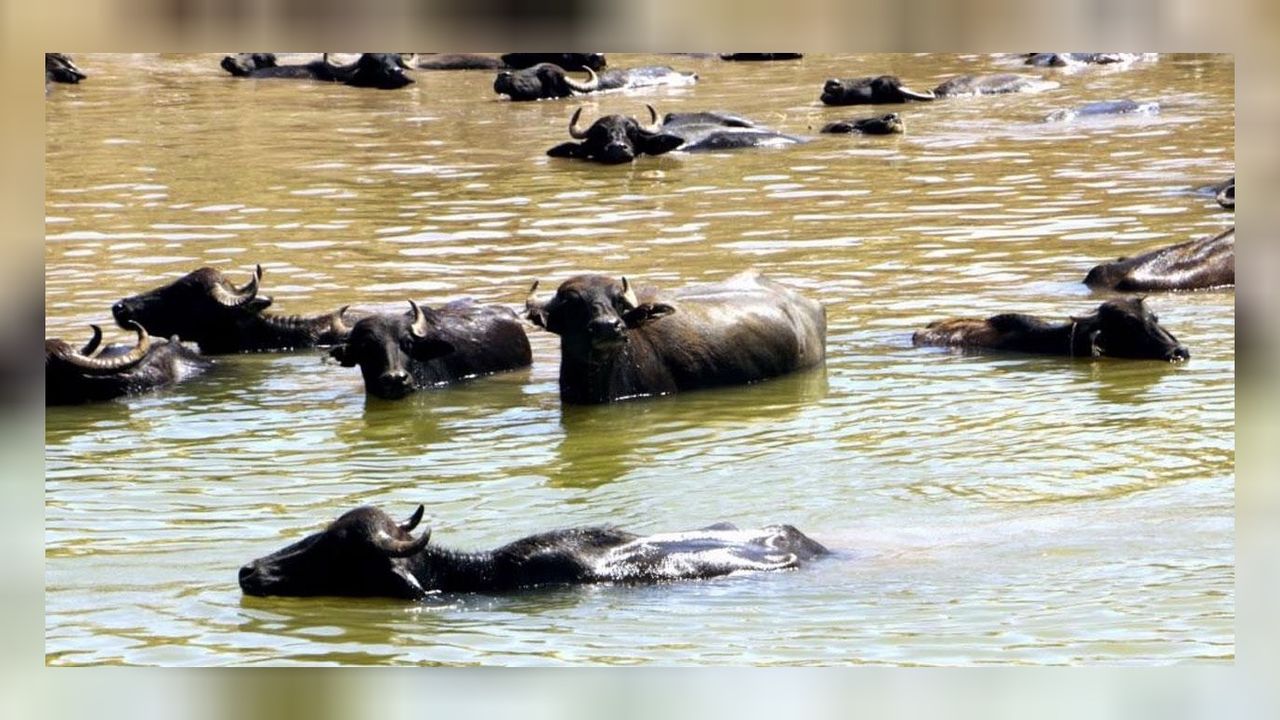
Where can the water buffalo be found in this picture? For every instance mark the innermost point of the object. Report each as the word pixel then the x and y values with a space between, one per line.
pixel 614 139
pixel 59 68
pixel 993 85
pixel 1197 264
pixel 883 125
pixel 398 354
pixel 91 373
pixel 1076 59
pixel 205 308
pixel 1104 108
pixel 384 71
pixel 365 553
pixel 886 89
pixel 513 61
pixel 617 343
pixel 546 80
pixel 1118 328
pixel 761 57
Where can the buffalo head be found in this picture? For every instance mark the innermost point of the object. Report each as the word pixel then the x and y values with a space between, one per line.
pixel 543 80
pixel 1126 328
pixel 869 90
pixel 59 68
pixel 384 71
pixel 592 311
pixel 385 347
pixel 362 553
pixel 61 358
pixel 194 307
pixel 889 124
pixel 615 139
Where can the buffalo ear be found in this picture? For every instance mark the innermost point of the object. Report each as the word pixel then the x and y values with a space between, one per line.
pixel 645 313
pixel 430 348
pixel 568 150
pixel 258 304
pixel 658 143
pixel 339 353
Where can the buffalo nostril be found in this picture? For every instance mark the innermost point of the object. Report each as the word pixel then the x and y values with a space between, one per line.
pixel 1179 353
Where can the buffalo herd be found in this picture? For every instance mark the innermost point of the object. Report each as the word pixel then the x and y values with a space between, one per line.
pixel 618 340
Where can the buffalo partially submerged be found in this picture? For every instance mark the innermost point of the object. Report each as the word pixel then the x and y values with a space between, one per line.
pixel 92 373
pixel 1077 59
pixel 1119 328
pixel 617 343
pixel 761 57
pixel 614 139
pixel 514 61
pixel 59 68
pixel 545 80
pixel 398 354
pixel 886 89
pixel 365 553
pixel 205 308
pixel 1194 265
pixel 384 71
pixel 882 125
pixel 1104 108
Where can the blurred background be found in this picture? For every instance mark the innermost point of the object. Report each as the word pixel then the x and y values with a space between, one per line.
pixel 1247 29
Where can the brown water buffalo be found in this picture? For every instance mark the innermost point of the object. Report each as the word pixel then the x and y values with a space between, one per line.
pixel 1193 265
pixel 618 343
pixel 205 308
pixel 890 124
pixel 398 354
pixel 1119 328
pixel 384 71
pixel 94 373
pixel 545 81
pixel 365 553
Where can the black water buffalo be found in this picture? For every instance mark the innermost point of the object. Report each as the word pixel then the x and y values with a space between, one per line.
pixel 1225 193
pixel 365 553
pixel 886 89
pixel 1119 328
pixel 546 80
pixel 93 373
pixel 614 139
pixel 1075 59
pixel 398 354
pixel 1104 108
pixel 760 57
pixel 384 71
pixel 205 308
pixel 616 343
pixel 511 61
pixel 1194 265
pixel 59 68
pixel 883 125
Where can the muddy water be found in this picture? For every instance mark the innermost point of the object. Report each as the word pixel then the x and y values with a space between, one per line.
pixel 983 508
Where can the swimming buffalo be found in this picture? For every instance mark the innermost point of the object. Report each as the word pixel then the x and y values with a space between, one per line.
pixel 1076 59
pixel 73 376
pixel 546 80
pixel 1197 264
pixel 400 353
pixel 617 342
pixel 886 89
pixel 205 308
pixel 516 61
pixel 882 125
pixel 384 71
pixel 1119 328
pixel 59 68
pixel 614 139
pixel 365 553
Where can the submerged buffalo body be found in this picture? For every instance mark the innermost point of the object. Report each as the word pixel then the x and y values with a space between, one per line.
pixel 1119 328
pixel 205 308
pixel 1078 59
pixel 760 57
pixel 545 80
pixel 1197 264
pixel 515 61
pixel 398 354
pixel 615 139
pixel 73 376
pixel 384 71
pixel 886 89
pixel 616 343
pixel 1103 109
pixel 59 68
pixel 365 553
pixel 890 124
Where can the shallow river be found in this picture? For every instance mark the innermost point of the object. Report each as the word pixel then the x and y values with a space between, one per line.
pixel 983 508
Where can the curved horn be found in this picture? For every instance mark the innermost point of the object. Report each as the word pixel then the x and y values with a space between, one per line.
pixel 591 85
pixel 629 294
pixel 92 348
pixel 653 119
pixel 339 323
pixel 414 519
pixel 574 132
pixel 531 300
pixel 115 364
pixel 241 296
pixel 419 327
pixel 401 548
pixel 914 95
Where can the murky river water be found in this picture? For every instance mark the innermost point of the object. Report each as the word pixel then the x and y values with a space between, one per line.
pixel 984 508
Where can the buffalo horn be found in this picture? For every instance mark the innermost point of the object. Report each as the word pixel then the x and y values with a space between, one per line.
pixel 574 132
pixel 531 300
pixel 591 85
pixel 92 347
pixel 414 519
pixel 914 95
pixel 419 327
pixel 241 296
pixel 653 119
pixel 629 294
pixel 115 364
pixel 340 325
pixel 401 548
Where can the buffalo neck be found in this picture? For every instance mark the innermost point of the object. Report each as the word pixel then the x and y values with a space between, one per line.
pixel 1070 338
pixel 597 374
pixel 265 331
pixel 442 570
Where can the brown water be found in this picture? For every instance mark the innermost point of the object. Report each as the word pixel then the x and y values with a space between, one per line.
pixel 984 508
